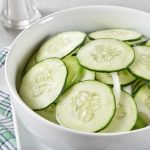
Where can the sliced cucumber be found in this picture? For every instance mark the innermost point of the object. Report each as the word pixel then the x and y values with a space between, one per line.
pixel 141 65
pixel 31 62
pixel 140 41
pixel 87 40
pixel 60 45
pixel 148 43
pixel 137 86
pixel 125 77
pixel 48 113
pixel 139 124
pixel 107 55
pixel 43 83
pixel 74 53
pixel 75 71
pixel 119 34
pixel 125 115
pixel 142 99
pixel 88 75
pixel 86 106
pixel 135 83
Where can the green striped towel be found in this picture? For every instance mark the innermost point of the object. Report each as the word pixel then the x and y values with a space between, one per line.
pixel 3 53
pixel 7 135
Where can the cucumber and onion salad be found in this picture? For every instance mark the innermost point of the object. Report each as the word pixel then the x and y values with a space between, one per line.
pixel 96 82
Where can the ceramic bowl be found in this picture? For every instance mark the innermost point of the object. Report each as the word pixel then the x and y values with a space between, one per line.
pixel 86 19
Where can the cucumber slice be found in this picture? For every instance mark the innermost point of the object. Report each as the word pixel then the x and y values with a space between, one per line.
pixel 118 34
pixel 107 55
pixel 142 100
pixel 75 71
pixel 87 40
pixel 48 113
pixel 43 83
pixel 31 62
pixel 140 66
pixel 140 41
pixel 86 106
pixel 137 86
pixel 60 45
pixel 139 124
pixel 148 43
pixel 125 115
pixel 125 77
pixel 74 53
pixel 88 75
pixel 135 83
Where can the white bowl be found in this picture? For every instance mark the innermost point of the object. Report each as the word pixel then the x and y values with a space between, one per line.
pixel 87 19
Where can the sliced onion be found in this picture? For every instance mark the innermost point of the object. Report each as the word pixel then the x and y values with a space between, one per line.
pixel 128 89
pixel 116 87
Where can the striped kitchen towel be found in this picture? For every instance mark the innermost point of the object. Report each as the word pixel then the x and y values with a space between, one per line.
pixel 3 53
pixel 7 135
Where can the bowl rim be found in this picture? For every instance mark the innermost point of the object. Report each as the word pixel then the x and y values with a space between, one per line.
pixel 27 108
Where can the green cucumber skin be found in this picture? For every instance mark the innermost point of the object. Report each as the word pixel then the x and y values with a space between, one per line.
pixel 109 71
pixel 71 80
pixel 137 91
pixel 136 83
pixel 122 85
pixel 55 101
pixel 104 71
pixel 137 86
pixel 134 39
pixel 31 62
pixel 123 41
pixel 148 43
pixel 136 110
pixel 113 113
pixel 76 48
pixel 68 53
pixel 137 76
pixel 128 83
pixel 110 119
pixel 110 88
pixel 140 88
pixel 137 42
pixel 83 75
pixel 114 28
pixel 134 94
pixel 52 117
pixel 75 51
pixel 139 124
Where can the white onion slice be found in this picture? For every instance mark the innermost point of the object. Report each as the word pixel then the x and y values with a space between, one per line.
pixel 128 89
pixel 116 87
